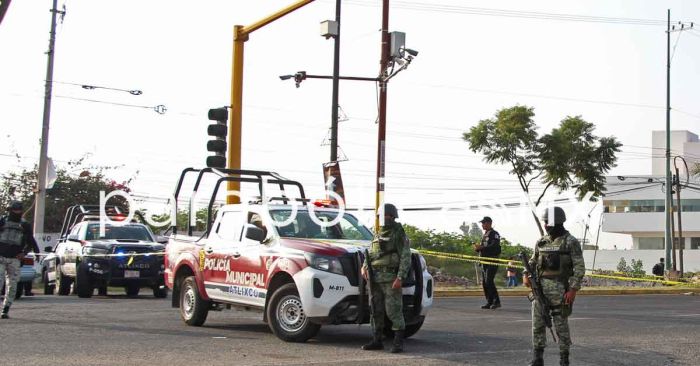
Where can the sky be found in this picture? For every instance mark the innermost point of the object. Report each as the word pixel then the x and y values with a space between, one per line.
pixel 475 57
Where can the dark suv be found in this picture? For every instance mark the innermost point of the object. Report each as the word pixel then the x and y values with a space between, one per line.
pixel 123 255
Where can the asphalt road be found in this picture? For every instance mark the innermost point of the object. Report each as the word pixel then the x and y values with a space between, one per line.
pixel 115 330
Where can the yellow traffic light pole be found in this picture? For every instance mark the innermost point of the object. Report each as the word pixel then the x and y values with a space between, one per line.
pixel 240 36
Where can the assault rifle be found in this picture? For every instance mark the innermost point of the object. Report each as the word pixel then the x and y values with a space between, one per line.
pixel 538 294
pixel 370 276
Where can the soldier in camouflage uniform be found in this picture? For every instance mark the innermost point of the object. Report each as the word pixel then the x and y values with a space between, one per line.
pixel 390 257
pixel 558 261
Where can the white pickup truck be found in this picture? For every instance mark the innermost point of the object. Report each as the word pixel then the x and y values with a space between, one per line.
pixel 299 274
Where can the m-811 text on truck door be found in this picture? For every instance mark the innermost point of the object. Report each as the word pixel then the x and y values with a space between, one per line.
pixel 300 275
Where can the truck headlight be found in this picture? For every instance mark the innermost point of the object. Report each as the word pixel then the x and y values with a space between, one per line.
pixel 324 263
pixel 423 264
pixel 90 251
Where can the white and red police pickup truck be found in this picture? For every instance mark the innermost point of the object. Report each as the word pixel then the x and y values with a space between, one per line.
pixel 299 270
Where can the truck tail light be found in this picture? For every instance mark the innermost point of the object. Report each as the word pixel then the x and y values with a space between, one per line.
pixel 28 261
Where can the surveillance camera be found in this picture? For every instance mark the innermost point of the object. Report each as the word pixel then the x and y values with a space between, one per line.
pixel 286 77
pixel 411 52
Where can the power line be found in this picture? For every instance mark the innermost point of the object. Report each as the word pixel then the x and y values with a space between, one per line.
pixel 160 109
pixel 457 9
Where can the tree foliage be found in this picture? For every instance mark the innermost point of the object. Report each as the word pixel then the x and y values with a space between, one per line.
pixel 456 243
pixel 570 156
pixel 69 189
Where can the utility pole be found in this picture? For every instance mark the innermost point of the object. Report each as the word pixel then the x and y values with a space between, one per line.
pixel 381 132
pixel 669 197
pixel 336 86
pixel 667 236
pixel 681 242
pixel 40 204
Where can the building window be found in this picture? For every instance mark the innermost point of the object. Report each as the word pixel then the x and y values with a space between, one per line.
pixel 620 206
pixel 651 243
pixel 694 243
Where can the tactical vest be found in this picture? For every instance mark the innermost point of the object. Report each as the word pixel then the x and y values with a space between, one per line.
pixel 554 259
pixel 384 249
pixel 12 234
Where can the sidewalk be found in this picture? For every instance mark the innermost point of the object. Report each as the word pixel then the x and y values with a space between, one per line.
pixel 586 291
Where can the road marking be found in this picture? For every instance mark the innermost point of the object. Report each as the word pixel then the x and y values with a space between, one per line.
pixel 687 315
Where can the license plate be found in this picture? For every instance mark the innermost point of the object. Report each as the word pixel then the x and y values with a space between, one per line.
pixel 131 274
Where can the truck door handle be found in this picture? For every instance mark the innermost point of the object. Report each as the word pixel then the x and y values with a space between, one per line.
pixel 236 255
pixel 209 250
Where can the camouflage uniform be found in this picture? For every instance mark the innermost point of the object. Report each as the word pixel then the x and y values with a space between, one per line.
pixel 554 284
pixel 12 241
pixel 391 258
pixel 11 266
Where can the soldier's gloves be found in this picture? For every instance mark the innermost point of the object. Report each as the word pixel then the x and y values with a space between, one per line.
pixel 396 284
pixel 569 297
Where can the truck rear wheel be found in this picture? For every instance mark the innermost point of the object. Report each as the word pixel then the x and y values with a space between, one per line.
pixel 62 284
pixel 48 288
pixel 287 318
pixel 193 309
pixel 160 291
pixel 132 290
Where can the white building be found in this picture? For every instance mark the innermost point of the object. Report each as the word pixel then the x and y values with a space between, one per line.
pixel 635 205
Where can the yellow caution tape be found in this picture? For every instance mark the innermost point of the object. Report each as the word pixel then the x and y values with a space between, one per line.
pixel 496 262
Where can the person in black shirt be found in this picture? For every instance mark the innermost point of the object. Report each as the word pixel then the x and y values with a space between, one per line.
pixel 658 269
pixel 16 239
pixel 490 247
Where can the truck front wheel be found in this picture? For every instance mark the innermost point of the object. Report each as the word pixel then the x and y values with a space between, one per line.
pixel 287 318
pixel 193 309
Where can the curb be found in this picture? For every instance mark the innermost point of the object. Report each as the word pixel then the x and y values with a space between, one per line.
pixel 584 292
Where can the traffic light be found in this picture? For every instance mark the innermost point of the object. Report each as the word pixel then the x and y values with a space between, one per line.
pixel 219 131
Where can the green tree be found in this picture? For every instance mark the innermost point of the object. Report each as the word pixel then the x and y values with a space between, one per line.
pixel 475 230
pixel 570 156
pixel 456 243
pixel 622 266
pixel 68 190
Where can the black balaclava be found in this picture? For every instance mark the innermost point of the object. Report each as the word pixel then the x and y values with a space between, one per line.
pixel 555 231
pixel 14 211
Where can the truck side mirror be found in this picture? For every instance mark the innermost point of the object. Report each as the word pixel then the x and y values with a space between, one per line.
pixel 161 239
pixel 255 233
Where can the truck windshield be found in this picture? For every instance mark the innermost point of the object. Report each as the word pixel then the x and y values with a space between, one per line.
pixel 132 232
pixel 303 227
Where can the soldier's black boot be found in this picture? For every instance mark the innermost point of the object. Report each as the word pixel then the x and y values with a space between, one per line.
pixel 375 344
pixel 5 312
pixel 537 357
pixel 397 347
pixel 564 358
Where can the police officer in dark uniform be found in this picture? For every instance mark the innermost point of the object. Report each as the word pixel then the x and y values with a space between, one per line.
pixel 16 239
pixel 490 247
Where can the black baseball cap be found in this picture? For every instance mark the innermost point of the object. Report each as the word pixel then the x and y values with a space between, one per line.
pixel 486 219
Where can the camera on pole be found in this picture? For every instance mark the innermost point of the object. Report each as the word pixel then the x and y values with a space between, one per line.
pixel 219 130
